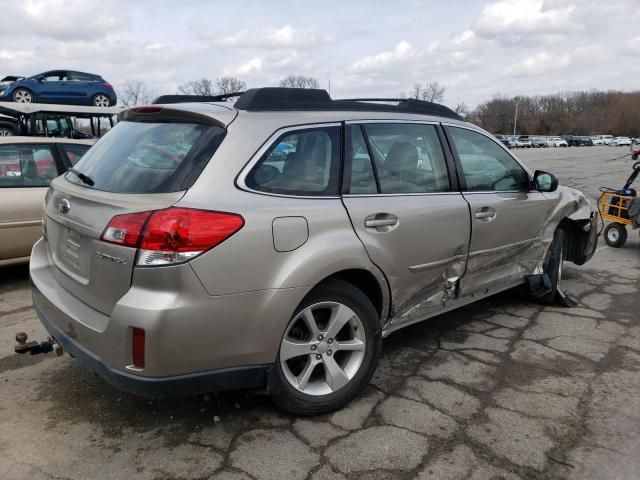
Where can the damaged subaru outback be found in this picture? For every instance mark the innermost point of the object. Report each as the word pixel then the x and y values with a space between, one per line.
pixel 272 243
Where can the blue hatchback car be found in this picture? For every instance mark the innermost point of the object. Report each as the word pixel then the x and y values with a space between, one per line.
pixel 59 86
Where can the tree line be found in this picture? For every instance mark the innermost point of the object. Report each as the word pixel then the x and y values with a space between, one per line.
pixel 569 113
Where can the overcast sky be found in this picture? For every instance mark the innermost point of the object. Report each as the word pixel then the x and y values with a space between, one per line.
pixel 475 48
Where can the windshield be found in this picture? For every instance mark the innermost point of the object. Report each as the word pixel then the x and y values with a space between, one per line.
pixel 138 157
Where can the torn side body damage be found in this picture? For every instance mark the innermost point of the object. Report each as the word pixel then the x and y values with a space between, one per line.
pixel 502 253
pixel 572 212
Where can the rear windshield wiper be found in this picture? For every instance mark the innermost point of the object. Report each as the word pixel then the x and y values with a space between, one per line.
pixel 85 179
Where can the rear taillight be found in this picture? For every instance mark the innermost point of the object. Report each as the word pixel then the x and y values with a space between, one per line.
pixel 173 235
pixel 107 84
pixel 126 229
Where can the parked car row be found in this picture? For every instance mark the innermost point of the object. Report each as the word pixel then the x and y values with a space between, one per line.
pixel 527 141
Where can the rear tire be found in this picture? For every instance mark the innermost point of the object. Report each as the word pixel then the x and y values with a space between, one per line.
pixel 100 100
pixel 325 390
pixel 615 235
pixel 553 265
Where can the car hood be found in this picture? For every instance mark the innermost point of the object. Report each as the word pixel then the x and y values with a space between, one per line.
pixel 11 79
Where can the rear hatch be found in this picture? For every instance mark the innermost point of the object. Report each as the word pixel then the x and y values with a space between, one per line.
pixel 144 164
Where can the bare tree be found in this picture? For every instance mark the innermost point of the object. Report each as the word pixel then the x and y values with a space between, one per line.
pixel 204 86
pixel 417 92
pixel 226 85
pixel 433 92
pixel 462 110
pixel 135 92
pixel 299 81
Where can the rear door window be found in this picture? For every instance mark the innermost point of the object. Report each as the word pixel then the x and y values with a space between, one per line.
pixel 139 157
pixel 302 162
pixel 26 165
pixel 408 158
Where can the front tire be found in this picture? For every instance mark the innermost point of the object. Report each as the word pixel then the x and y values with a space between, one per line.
pixel 553 265
pixel 615 235
pixel 329 350
pixel 22 95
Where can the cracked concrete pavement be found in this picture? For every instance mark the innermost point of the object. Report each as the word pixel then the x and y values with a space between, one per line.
pixel 500 389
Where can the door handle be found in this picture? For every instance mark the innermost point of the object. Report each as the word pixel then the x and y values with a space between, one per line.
pixel 486 214
pixel 380 222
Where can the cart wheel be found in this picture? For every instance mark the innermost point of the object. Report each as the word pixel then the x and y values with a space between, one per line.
pixel 615 235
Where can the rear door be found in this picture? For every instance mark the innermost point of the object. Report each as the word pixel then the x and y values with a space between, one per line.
pixel 26 170
pixel 141 166
pixel 406 210
pixel 506 214
pixel 80 86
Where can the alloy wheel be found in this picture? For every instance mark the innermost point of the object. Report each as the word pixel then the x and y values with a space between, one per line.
pixel 101 101
pixel 22 96
pixel 323 348
pixel 5 132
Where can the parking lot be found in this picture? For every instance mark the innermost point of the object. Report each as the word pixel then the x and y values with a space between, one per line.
pixel 501 389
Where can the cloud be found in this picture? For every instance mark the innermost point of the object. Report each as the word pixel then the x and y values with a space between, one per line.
pixel 541 63
pixel 251 66
pixel 515 21
pixel 64 19
pixel 285 37
pixel 634 44
pixel 380 61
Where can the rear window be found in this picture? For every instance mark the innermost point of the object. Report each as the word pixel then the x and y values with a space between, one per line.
pixel 137 157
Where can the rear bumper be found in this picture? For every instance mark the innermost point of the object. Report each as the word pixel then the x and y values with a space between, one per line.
pixel 253 376
pixel 194 342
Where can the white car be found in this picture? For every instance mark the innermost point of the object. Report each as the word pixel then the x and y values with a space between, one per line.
pixel 597 141
pixel 556 142
pixel 620 142
pixel 606 139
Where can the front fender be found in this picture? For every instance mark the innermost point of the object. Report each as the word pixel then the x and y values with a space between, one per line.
pixel 571 210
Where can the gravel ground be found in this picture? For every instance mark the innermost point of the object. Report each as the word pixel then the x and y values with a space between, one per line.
pixel 500 389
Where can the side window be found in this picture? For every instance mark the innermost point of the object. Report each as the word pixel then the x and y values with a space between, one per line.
pixel 74 152
pixel 408 158
pixel 26 166
pixel 362 179
pixel 301 162
pixel 487 167
pixel 79 77
pixel 54 76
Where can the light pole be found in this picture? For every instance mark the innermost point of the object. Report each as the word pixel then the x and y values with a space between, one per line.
pixel 515 120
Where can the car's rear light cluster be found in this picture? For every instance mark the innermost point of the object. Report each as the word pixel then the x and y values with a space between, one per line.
pixel 173 235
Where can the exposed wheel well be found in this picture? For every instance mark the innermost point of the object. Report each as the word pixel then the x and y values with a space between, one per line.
pixel 575 239
pixel 364 281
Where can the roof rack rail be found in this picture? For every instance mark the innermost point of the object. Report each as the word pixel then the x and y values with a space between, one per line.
pixel 312 99
pixel 274 99
pixel 195 98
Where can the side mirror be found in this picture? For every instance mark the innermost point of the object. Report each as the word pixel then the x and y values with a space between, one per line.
pixel 544 181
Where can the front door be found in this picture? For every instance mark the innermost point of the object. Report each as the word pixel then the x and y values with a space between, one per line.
pixel 506 215
pixel 54 87
pixel 406 211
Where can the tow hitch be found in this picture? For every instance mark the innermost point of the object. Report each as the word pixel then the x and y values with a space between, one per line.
pixel 34 348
